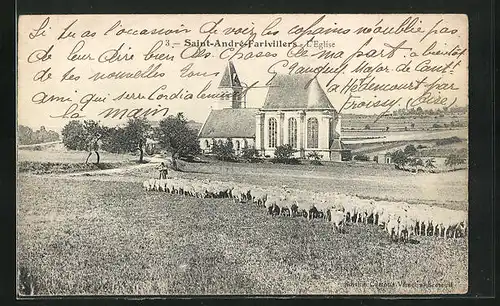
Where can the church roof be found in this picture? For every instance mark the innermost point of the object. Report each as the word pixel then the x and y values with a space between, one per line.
pixel 229 122
pixel 230 77
pixel 296 92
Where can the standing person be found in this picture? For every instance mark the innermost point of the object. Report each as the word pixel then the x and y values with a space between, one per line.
pixel 93 146
pixel 163 171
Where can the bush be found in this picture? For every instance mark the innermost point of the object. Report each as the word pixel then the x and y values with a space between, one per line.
pixel 315 158
pixel 346 156
pixel 436 126
pixel 361 157
pixel 367 127
pixel 250 154
pixel 284 155
pixel 224 151
pixel 421 147
pixel 316 162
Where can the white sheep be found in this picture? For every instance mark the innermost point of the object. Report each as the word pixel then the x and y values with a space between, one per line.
pixel 337 218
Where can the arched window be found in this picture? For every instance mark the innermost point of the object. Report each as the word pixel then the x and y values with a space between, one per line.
pixel 207 144
pixel 245 143
pixel 219 142
pixel 273 132
pixel 292 132
pixel 237 145
pixel 312 133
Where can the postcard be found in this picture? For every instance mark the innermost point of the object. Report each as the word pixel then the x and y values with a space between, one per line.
pixel 244 154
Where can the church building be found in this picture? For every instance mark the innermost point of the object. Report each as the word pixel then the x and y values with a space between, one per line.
pixel 296 111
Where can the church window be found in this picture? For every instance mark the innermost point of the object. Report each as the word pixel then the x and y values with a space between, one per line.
pixel 312 133
pixel 273 132
pixel 292 132
pixel 207 144
pixel 237 145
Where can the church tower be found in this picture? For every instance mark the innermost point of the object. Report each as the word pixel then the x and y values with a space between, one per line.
pixel 231 87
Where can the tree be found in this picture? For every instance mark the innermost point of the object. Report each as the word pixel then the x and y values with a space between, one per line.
pixel 74 136
pixel 454 160
pixel 399 158
pixel 175 136
pixel 410 150
pixel 413 125
pixel 134 135
pixel 25 135
pixel 367 127
pixel 284 154
pixel 114 140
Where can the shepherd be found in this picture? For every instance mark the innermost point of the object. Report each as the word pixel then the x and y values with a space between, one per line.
pixel 163 171
pixel 94 146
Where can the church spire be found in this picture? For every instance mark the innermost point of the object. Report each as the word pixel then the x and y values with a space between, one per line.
pixel 230 77
pixel 230 85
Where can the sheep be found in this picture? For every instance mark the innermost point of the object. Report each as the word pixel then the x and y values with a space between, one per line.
pixel 146 185
pixel 259 196
pixel 399 219
pixel 337 218
pixel 271 204
pixel 392 227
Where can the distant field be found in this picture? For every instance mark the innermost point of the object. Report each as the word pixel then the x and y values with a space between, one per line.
pixel 359 122
pixel 86 237
pixel 431 148
pixel 460 148
pixel 386 136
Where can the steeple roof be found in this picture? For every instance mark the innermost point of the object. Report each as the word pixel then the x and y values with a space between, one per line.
pixel 230 77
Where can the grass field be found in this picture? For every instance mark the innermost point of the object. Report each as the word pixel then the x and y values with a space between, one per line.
pixel 80 236
pixel 59 155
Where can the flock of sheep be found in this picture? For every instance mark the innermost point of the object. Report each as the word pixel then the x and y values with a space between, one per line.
pixel 399 219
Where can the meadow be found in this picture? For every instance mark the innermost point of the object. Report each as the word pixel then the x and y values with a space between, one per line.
pixel 87 229
pixel 104 235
